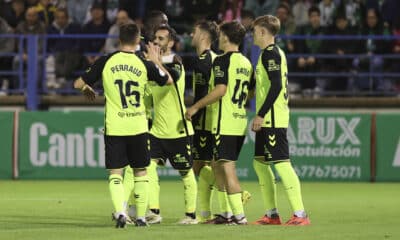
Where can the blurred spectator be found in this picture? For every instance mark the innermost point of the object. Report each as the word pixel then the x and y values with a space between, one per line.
pixel 395 66
pixel 14 12
pixel 46 11
pixel 201 9
pixel 64 57
pixel 31 25
pixel 248 48
pixel 6 46
pixel 355 12
pixel 261 7
pixel 338 47
pixel 310 64
pixel 98 25
pixel 31 3
pixel 390 10
pixel 288 28
pixel 230 10
pixel 78 10
pixel 110 8
pixel 299 11
pixel 370 47
pixel 112 43
pixel 175 9
pixel 327 9
pixel 138 12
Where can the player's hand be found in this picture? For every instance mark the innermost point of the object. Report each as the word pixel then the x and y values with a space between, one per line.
pixel 257 123
pixel 153 52
pixel 190 112
pixel 88 92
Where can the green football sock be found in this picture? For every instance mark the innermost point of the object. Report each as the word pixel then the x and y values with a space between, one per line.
pixel 224 205
pixel 291 183
pixel 154 186
pixel 128 184
pixel 190 191
pixel 117 192
pixel 141 192
pixel 235 200
pixel 266 180
pixel 205 184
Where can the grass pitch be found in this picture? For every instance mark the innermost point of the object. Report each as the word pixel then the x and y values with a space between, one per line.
pixel 82 210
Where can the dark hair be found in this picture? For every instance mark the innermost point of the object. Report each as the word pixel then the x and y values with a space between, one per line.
pixel 269 22
pixel 210 27
pixel 247 14
pixel 234 31
pixel 171 32
pixel 153 14
pixel 63 10
pixel 128 33
pixel 284 6
pixel 314 9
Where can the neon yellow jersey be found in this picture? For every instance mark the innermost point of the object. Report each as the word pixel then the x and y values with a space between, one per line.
pixel 229 114
pixel 169 108
pixel 202 75
pixel 125 76
pixel 271 88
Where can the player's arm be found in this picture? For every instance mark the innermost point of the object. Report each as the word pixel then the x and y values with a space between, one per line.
pixel 252 86
pixel 161 75
pixel 220 69
pixel 92 75
pixel 175 68
pixel 271 61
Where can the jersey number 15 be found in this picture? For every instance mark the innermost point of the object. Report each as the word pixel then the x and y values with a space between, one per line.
pixel 127 92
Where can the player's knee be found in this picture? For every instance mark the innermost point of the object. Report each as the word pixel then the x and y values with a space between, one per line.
pixel 118 171
pixel 139 172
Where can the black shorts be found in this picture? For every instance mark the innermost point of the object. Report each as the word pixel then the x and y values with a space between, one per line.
pixel 127 150
pixel 227 147
pixel 202 145
pixel 177 150
pixel 271 145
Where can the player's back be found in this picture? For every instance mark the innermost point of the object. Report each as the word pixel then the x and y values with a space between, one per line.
pixel 169 108
pixel 229 114
pixel 124 80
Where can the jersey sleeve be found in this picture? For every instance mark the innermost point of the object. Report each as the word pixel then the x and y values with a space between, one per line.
pixel 175 69
pixel 94 72
pixel 203 66
pixel 154 73
pixel 271 61
pixel 220 69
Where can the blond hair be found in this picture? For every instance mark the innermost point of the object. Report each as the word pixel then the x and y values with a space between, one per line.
pixel 269 22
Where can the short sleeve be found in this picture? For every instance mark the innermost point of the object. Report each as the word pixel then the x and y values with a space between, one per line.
pixel 220 69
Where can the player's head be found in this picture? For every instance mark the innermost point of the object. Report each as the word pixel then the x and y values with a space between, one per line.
pixel 152 21
pixel 265 27
pixel 129 34
pixel 165 37
pixel 204 31
pixel 231 33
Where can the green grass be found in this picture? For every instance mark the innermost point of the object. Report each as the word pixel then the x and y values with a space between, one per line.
pixel 82 209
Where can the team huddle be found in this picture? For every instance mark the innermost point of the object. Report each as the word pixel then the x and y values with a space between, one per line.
pixel 147 123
